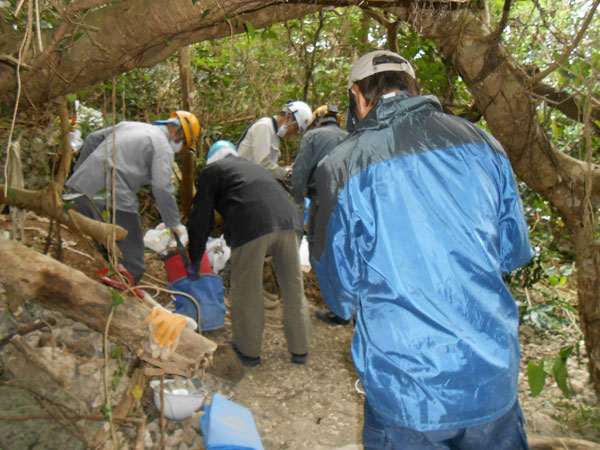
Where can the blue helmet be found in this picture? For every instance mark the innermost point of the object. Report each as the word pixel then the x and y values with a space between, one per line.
pixel 219 144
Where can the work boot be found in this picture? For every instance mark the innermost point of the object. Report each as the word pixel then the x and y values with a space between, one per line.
pixel 299 358
pixel 327 316
pixel 249 361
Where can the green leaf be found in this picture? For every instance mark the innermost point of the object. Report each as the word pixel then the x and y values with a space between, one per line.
pixel 77 36
pixel 12 194
pixel 106 410
pixel 566 351
pixel 100 195
pixel 560 375
pixel 117 299
pixel 105 216
pixel 70 197
pixel 67 206
pixel 249 29
pixel 115 382
pixel 116 353
pixel 536 377
pixel 205 13
pixel 71 97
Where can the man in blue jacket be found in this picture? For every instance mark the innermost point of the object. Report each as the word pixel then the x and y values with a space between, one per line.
pixel 418 218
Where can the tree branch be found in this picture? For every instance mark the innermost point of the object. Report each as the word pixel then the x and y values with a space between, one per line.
pixel 567 51
pixel 567 103
pixel 505 13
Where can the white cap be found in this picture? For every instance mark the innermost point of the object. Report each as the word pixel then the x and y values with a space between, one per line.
pixel 377 62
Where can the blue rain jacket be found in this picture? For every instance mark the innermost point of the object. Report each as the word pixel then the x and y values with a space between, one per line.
pixel 418 217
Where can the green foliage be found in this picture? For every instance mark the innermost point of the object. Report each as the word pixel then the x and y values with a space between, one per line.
pixel 536 373
pixel 550 312
pixel 536 376
pixel 117 298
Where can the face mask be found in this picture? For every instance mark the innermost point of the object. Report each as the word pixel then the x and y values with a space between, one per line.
pixel 176 146
pixel 282 130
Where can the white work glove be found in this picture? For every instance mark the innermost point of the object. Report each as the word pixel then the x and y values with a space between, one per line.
pixel 165 329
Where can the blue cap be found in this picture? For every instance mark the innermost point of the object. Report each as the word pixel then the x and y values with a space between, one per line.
pixel 171 120
pixel 217 145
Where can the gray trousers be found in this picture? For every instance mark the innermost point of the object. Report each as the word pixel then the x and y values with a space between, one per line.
pixel 132 247
pixel 246 292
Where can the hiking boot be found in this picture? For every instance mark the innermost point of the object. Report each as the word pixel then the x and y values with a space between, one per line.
pixel 246 360
pixel 299 358
pixel 327 316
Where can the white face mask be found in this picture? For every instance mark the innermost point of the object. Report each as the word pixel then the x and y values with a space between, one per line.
pixel 282 130
pixel 176 146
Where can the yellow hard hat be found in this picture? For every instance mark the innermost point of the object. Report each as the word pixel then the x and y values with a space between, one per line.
pixel 324 114
pixel 190 125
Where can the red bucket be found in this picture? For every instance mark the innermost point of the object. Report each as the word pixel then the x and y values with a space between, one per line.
pixel 176 268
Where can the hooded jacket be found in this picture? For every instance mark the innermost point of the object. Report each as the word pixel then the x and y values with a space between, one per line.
pixel 418 218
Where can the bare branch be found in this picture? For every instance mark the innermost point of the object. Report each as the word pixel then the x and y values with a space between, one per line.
pixel 567 51
pixel 505 13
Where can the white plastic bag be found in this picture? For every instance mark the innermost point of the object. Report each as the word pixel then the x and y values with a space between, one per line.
pixel 76 140
pixel 304 255
pixel 160 238
pixel 218 253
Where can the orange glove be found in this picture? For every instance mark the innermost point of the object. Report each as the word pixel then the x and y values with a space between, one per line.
pixel 165 329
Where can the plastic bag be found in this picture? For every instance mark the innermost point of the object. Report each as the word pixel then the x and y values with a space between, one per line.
pixel 76 139
pixel 160 238
pixel 218 253
pixel 304 255
pixel 228 426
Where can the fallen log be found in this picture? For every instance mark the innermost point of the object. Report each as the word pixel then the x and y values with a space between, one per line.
pixel 43 204
pixel 27 275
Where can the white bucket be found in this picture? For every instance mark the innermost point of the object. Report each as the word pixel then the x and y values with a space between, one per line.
pixel 181 398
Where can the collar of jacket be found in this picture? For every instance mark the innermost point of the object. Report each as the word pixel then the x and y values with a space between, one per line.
pixel 393 105
pixel 165 130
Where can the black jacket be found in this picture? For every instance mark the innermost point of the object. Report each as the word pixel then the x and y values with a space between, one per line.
pixel 251 201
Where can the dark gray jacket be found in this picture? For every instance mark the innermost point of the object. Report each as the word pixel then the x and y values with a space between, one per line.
pixel 315 145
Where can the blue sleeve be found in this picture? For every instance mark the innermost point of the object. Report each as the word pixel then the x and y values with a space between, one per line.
pixel 515 248
pixel 339 270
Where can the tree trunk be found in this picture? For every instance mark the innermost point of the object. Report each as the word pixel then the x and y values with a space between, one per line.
pixel 502 92
pixel 93 43
pixel 187 158
pixel 28 275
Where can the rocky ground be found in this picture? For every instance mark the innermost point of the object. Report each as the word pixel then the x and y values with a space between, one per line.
pixel 316 406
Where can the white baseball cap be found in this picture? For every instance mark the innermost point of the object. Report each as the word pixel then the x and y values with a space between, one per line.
pixel 376 62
